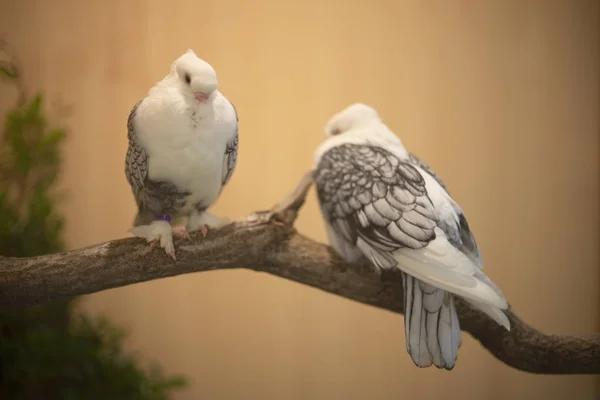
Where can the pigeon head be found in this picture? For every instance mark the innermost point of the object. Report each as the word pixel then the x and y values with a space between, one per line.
pixel 353 116
pixel 197 78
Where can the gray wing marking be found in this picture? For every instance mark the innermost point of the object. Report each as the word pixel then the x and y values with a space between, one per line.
pixel 153 198
pixel 458 232
pixel 416 161
pixel 375 201
pixel 231 151
pixel 136 160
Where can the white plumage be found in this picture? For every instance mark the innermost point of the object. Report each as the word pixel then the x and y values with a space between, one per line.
pixel 186 133
pixel 382 203
pixel 183 148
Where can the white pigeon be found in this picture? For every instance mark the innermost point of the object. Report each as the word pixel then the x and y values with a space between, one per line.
pixel 382 205
pixel 183 143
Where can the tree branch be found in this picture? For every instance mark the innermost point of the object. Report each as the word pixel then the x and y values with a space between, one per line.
pixel 267 242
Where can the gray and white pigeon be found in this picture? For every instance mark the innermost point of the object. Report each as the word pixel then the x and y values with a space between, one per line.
pixel 183 144
pixel 382 205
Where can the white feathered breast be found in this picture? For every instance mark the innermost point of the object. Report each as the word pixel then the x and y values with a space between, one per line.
pixel 184 147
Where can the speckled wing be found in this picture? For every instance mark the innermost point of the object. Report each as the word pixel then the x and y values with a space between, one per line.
pixel 458 232
pixel 416 161
pixel 136 160
pixel 231 151
pixel 375 201
pixel 153 198
pixel 380 205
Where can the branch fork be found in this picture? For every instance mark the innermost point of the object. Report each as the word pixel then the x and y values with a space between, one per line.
pixel 266 241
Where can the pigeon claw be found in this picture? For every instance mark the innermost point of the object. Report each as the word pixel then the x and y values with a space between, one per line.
pixel 171 252
pixel 182 234
pixel 169 248
pixel 157 234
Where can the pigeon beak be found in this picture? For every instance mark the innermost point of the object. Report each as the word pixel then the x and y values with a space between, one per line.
pixel 201 97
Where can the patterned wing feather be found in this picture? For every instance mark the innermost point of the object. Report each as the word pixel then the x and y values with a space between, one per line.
pixel 458 232
pixel 231 151
pixel 380 204
pixel 153 198
pixel 136 160
pixel 377 202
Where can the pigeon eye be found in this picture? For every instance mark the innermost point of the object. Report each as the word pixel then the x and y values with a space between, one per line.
pixel 188 79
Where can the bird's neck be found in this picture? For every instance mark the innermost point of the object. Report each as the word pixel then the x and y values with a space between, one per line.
pixel 170 90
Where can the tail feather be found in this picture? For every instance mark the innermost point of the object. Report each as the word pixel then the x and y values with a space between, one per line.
pixel 454 314
pixel 466 283
pixel 493 312
pixel 431 324
pixel 433 343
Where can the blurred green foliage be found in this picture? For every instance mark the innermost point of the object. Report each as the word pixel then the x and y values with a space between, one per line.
pixel 53 351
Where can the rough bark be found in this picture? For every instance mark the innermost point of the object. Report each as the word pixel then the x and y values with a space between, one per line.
pixel 267 242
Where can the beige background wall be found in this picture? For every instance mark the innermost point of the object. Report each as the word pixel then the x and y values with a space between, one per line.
pixel 500 97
